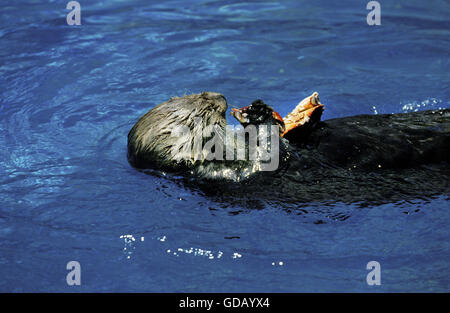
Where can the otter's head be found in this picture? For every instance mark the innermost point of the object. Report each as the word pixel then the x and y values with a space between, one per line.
pixel 165 134
pixel 258 113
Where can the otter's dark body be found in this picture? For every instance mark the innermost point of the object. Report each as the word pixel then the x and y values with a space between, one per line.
pixel 369 159
pixel 372 142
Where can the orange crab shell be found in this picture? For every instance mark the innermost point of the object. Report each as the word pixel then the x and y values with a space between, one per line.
pixel 308 110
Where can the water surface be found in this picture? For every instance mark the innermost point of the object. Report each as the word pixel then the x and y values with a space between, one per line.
pixel 69 95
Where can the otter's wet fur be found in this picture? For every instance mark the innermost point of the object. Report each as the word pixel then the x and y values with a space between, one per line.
pixel 150 141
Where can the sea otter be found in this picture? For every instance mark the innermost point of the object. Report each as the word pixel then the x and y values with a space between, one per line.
pixel 365 158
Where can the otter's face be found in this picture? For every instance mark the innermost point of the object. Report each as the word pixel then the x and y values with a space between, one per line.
pixel 258 113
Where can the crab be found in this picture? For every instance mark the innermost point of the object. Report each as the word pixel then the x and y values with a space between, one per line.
pixel 294 126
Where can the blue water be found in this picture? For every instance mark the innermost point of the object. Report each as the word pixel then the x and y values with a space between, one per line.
pixel 70 94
